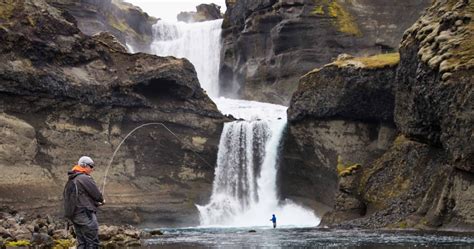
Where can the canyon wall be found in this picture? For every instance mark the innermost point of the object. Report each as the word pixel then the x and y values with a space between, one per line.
pixel 64 94
pixel 268 44
pixel 422 176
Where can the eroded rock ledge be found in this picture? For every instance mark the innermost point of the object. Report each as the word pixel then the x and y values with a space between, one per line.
pixel 64 94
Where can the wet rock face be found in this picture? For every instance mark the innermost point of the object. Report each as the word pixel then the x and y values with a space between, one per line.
pixel 123 20
pixel 64 94
pixel 435 94
pixel 269 44
pixel 204 12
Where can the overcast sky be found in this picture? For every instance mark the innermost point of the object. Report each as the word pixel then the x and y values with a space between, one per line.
pixel 168 9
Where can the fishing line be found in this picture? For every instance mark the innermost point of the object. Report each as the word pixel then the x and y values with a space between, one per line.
pixel 130 133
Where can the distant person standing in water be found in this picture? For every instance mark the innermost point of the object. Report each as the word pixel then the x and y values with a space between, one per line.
pixel 274 220
pixel 82 197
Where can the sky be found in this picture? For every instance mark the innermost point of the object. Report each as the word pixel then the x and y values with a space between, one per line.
pixel 169 9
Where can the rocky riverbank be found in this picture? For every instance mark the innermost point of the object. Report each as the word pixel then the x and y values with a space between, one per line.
pixel 44 231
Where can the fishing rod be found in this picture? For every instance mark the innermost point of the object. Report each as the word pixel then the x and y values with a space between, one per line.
pixel 130 133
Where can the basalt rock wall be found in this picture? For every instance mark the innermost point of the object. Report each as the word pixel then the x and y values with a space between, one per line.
pixel 128 23
pixel 423 178
pixel 64 94
pixel 269 44
pixel 341 110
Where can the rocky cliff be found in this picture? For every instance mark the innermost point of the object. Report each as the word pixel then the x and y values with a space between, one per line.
pixel 128 23
pixel 204 12
pixel 344 109
pixel 269 44
pixel 65 94
pixel 424 177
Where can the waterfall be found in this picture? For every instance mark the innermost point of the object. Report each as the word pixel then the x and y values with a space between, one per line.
pixel 244 188
pixel 200 43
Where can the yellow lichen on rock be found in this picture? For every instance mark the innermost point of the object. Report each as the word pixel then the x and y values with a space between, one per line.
pixel 345 170
pixel 344 20
pixel 63 244
pixel 19 243
pixel 371 62
pixel 318 10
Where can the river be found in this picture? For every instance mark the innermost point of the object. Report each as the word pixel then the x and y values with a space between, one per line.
pixel 307 238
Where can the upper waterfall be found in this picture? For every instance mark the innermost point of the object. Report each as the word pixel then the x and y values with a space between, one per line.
pixel 200 43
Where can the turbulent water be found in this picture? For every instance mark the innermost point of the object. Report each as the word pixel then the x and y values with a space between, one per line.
pixel 244 189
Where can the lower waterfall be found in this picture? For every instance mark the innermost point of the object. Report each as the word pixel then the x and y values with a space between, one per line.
pixel 244 188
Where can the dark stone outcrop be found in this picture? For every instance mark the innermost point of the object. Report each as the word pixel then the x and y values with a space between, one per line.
pixel 424 178
pixel 64 94
pixel 123 20
pixel 204 12
pixel 269 44
pixel 435 96
pixel 343 109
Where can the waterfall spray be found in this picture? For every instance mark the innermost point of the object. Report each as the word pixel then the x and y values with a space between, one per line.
pixel 130 133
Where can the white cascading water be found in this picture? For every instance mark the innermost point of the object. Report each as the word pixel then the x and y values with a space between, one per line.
pixel 244 187
pixel 197 42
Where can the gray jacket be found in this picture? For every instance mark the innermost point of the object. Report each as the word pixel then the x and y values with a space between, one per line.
pixel 89 193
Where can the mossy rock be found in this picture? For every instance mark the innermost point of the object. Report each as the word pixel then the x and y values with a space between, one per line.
pixel 345 170
pixel 7 9
pixel 318 10
pixel 371 62
pixel 18 243
pixel 63 244
pixel 344 20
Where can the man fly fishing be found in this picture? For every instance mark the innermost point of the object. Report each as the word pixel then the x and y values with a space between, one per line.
pixel 82 197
